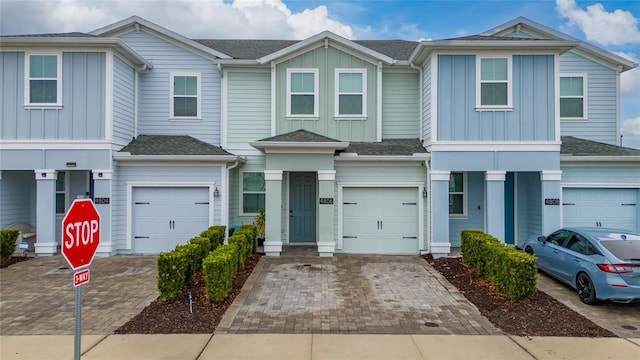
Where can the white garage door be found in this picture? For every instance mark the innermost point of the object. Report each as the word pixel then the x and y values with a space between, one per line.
pixel 380 220
pixel 164 217
pixel 612 208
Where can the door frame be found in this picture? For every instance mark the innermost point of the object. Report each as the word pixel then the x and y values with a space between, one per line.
pixel 142 184
pixel 419 188
pixel 288 207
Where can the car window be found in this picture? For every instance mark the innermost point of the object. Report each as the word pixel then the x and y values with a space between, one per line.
pixel 559 237
pixel 579 244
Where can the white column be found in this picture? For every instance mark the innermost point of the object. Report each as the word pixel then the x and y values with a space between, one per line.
pixel 46 243
pixel 495 203
pixel 273 212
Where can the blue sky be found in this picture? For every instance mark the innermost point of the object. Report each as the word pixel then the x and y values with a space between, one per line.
pixel 612 25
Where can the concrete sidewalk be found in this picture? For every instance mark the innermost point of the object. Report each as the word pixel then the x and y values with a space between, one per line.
pixel 317 347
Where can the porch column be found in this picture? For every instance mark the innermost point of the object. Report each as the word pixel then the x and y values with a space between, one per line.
pixel 494 181
pixel 440 243
pixel 551 195
pixel 102 199
pixel 326 212
pixel 273 211
pixel 46 243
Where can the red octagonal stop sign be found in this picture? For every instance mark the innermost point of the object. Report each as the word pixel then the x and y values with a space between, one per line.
pixel 80 233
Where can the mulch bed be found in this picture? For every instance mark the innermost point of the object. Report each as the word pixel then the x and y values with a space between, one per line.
pixel 4 262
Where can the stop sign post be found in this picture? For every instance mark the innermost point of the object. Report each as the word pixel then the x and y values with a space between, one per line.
pixel 80 240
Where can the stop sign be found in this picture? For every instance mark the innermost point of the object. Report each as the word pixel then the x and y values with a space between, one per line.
pixel 80 233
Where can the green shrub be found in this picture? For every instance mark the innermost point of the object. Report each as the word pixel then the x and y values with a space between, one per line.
pixel 240 240
pixel 204 248
pixel 215 234
pixel 8 242
pixel 219 268
pixel 252 231
pixel 172 267
pixel 512 272
pixel 192 258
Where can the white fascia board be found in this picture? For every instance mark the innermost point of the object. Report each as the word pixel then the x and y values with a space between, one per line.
pixel 124 156
pixel 123 25
pixel 320 37
pixel 597 160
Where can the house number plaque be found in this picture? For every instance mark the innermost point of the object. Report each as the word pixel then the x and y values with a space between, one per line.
pixel 552 201
pixel 101 200
pixel 326 201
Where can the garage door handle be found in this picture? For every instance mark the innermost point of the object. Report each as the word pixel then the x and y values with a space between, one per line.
pixel 409 204
pixel 409 237
pixel 140 237
pixel 202 203
pixel 568 203
pixel 628 204
pixel 141 203
pixel 349 203
pixel 349 237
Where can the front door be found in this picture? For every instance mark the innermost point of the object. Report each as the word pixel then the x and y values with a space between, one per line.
pixel 302 207
pixel 509 209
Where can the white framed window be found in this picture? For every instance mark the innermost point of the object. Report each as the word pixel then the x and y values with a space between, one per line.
pixel 253 192
pixel 43 80
pixel 494 83
pixel 573 96
pixel 186 101
pixel 350 92
pixel 302 92
pixel 458 194
pixel 62 200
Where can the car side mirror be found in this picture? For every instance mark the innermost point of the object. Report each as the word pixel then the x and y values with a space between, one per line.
pixel 542 239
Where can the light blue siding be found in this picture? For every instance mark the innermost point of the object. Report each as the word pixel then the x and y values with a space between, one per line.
pixel 169 175
pixel 475 209
pixel 400 105
pixel 601 100
pixel 427 87
pixel 528 206
pixel 54 159
pixel 154 88
pixel 17 198
pixel 610 175
pixel 495 160
pixel 82 116
pixel 532 118
pixel 248 108
pixel 123 101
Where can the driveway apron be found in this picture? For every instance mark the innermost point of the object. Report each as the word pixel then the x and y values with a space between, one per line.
pixel 37 296
pixel 351 294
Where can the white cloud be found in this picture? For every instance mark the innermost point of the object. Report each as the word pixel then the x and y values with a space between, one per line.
pixel 631 132
pixel 607 28
pixel 630 80
pixel 255 19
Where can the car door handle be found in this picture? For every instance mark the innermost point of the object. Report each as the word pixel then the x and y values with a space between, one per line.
pixel 576 260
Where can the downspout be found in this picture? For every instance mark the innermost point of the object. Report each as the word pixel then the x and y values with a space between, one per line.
pixel 226 199
pixel 136 80
pixel 420 111
pixel 428 187
pixel 618 130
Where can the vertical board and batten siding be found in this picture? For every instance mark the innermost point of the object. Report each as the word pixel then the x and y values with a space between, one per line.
pixel 123 101
pixel 169 176
pixel 326 61
pixel 400 105
pixel 532 118
pixel 18 194
pixel 600 124
pixel 528 206
pixel 154 88
pixel 82 115
pixel 474 218
pixel 427 87
pixel 248 108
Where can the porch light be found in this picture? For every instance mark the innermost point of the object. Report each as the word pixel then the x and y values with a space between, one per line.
pixel 71 164
pixel 424 192
pixel 216 193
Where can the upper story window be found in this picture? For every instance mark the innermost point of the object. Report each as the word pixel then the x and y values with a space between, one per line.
pixel 493 90
pixel 44 81
pixel 351 97
pixel 302 92
pixel 185 102
pixel 573 98
pixel 253 192
pixel 457 194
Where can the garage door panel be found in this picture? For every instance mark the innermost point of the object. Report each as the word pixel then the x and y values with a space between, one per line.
pixel 615 208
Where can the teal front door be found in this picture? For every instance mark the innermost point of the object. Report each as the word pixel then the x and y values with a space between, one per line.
pixel 302 207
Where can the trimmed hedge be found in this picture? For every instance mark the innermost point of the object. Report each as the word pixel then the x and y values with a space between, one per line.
pixel 252 230
pixel 216 235
pixel 511 271
pixel 219 268
pixel 172 267
pixel 8 242
pixel 192 257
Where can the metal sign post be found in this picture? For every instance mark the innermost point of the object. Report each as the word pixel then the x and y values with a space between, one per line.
pixel 78 314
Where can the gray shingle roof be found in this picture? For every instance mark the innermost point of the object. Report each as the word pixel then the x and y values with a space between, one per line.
pixel 69 34
pixel 300 136
pixel 581 147
pixel 492 37
pixel 388 147
pixel 171 145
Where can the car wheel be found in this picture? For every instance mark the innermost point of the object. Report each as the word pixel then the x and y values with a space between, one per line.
pixel 586 291
pixel 529 250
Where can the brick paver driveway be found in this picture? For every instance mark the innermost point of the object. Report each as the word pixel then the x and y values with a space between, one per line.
pixel 37 297
pixel 351 294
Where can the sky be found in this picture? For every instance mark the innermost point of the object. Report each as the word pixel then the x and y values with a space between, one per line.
pixel 611 25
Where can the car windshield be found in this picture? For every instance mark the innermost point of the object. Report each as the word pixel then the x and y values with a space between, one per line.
pixel 623 249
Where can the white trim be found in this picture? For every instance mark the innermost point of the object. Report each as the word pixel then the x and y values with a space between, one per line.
pixel 198 76
pixel 420 216
pixel 0 174
pixel 59 145
pixel 434 97
pixel 241 190
pixel 145 184
pixel 378 103
pixel 273 175
pixel 630 185
pixel 495 175
pixel 316 92
pixel 440 175
pixel 556 102
pixel 108 97
pixel 136 102
pixel 100 174
pixel 550 175
pixel 274 103
pixel 336 95
pixel 224 94
pixel 585 93
pixel 45 174
pixel 27 79
pixel 618 124
pixel 326 175
pixel 493 146
pixel 509 105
